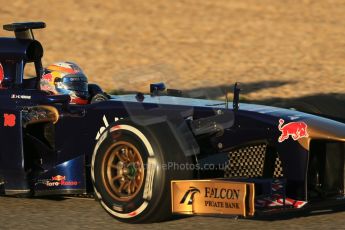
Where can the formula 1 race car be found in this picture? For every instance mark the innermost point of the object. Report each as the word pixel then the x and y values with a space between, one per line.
pixel 148 156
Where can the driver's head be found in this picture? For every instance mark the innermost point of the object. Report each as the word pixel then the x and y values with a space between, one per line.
pixel 66 78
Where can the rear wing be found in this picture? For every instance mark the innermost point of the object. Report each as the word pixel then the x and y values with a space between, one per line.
pixel 23 30
pixel 16 52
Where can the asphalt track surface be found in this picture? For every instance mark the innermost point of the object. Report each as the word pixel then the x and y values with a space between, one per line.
pixel 80 213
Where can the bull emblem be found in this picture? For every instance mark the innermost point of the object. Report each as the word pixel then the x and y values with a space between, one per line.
pixel 296 130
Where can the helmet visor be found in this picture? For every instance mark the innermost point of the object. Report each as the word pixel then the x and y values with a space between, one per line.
pixel 74 84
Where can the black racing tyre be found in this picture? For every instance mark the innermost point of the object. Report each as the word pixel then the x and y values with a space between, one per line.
pixel 130 174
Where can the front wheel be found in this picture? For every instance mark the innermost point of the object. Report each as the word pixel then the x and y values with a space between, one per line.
pixel 130 174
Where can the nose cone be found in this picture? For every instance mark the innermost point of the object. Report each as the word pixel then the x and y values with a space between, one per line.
pixel 326 129
pixel 323 128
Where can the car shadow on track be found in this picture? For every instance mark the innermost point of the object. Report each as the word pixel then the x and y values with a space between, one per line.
pixel 219 91
pixel 278 216
pixel 298 214
pixel 330 105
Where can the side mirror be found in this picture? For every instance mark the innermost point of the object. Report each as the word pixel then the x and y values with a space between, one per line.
pixel 155 88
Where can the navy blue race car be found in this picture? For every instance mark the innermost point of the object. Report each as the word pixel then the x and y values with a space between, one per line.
pixel 147 156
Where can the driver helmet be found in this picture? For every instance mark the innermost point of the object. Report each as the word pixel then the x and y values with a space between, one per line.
pixel 66 78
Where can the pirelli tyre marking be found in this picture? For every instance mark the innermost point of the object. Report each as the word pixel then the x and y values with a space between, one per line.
pixel 151 166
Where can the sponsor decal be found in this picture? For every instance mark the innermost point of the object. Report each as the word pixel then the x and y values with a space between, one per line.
pixel 150 175
pixel 212 197
pixel 24 97
pixel 74 79
pixel 59 180
pixel 222 197
pixel 190 195
pixel 276 198
pixel 9 120
pixel 117 208
pixel 296 130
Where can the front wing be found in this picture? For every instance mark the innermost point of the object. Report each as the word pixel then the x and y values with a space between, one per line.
pixel 240 197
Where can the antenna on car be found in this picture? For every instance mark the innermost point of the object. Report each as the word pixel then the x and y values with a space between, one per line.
pixel 23 30
pixel 237 91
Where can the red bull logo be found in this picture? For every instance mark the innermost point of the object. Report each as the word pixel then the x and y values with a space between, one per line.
pixel 296 130
pixel 59 178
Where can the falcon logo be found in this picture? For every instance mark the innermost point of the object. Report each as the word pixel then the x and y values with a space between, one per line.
pixel 189 194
